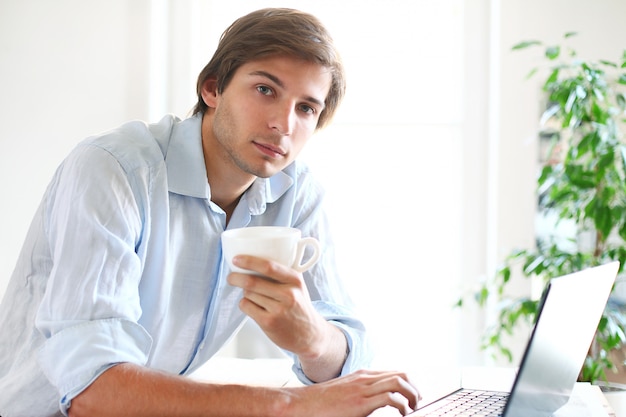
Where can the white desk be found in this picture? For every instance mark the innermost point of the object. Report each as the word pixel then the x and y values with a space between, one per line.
pixel 587 400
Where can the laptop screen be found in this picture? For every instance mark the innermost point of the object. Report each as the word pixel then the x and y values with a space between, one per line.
pixel 568 318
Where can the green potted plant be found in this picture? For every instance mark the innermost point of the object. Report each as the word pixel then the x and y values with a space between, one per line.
pixel 582 185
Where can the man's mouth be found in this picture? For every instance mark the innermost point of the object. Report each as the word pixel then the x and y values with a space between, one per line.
pixel 269 149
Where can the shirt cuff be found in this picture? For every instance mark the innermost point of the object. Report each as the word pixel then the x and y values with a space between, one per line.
pixel 74 357
pixel 359 354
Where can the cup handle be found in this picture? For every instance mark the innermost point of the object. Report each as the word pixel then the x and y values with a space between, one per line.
pixel 302 244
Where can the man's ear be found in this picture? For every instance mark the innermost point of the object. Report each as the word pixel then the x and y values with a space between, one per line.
pixel 209 92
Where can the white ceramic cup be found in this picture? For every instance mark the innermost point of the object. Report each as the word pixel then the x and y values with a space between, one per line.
pixel 281 244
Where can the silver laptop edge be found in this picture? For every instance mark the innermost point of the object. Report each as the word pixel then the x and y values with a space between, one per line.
pixel 568 318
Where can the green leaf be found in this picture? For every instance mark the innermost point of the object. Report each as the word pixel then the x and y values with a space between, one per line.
pixel 554 75
pixel 506 274
pixel 598 93
pixel 622 77
pixel 525 44
pixel 590 208
pixel 605 161
pixel 599 114
pixel 531 73
pixel 585 143
pixel 618 210
pixel 546 173
pixel 608 63
pixel 552 52
pixel 620 99
pixel 622 150
pixel 529 308
pixel 603 221
pixel 507 353
pixel 579 177
pixel 548 113
pixel 570 34
pixel 535 266
pixel 482 296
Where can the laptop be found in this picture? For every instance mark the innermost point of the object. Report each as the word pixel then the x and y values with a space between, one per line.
pixel 568 317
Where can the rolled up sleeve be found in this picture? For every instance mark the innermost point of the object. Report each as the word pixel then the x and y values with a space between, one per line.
pixel 90 311
pixel 74 357
pixel 360 353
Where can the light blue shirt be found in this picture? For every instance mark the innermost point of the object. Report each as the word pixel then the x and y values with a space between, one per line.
pixel 123 263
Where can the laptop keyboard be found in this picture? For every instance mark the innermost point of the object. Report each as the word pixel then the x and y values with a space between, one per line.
pixel 467 402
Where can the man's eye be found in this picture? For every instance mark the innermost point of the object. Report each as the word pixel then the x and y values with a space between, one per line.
pixel 307 109
pixel 265 90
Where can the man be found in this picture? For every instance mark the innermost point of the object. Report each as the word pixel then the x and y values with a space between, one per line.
pixel 120 288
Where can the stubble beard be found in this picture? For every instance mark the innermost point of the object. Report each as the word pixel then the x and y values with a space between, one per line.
pixel 226 136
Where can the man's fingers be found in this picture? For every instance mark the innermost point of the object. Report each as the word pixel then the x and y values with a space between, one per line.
pixel 252 283
pixel 391 399
pixel 399 383
pixel 267 268
pixel 393 387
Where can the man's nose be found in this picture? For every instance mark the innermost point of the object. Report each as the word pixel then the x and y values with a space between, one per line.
pixel 283 119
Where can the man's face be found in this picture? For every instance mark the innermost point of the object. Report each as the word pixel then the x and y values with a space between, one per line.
pixel 266 114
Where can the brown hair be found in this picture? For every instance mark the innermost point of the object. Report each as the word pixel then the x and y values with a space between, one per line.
pixel 275 31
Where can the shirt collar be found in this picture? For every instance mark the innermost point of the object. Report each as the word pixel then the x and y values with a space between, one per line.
pixel 186 171
pixel 267 190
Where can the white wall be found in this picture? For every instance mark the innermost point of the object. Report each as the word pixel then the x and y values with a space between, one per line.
pixel 69 69
pixel 75 67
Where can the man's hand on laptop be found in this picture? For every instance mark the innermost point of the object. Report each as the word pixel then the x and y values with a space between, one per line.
pixel 356 395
